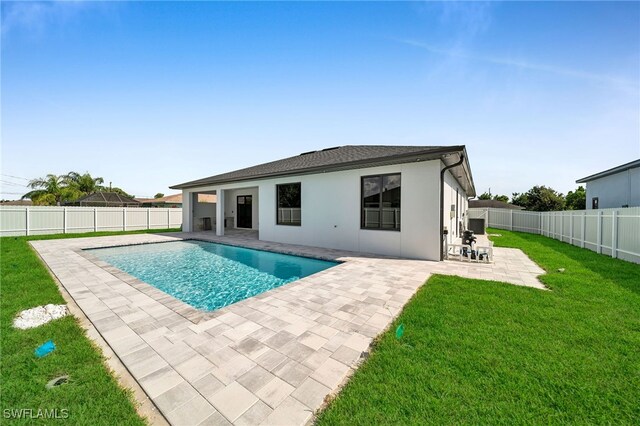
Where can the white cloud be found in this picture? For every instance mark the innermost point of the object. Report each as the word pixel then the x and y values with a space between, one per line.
pixel 473 17
pixel 34 17
pixel 619 82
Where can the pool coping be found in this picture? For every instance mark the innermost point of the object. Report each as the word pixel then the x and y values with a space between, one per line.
pixel 184 309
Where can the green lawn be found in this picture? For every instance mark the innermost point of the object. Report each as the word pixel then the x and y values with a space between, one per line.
pixel 481 352
pixel 92 396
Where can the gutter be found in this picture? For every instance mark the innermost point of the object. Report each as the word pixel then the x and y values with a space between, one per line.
pixel 442 172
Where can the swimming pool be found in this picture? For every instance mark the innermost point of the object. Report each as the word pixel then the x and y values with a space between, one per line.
pixel 207 275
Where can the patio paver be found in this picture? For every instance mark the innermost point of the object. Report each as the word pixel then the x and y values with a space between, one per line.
pixel 270 359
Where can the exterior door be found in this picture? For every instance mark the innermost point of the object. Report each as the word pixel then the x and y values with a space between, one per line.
pixel 243 210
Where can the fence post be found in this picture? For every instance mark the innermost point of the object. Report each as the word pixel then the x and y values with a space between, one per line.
pixel 614 234
pixel 27 221
pixel 584 228
pixel 148 218
pixel 95 219
pixel 541 223
pixel 124 218
pixel 547 225
pixel 599 230
pixel 571 228
pixel 64 220
pixel 511 221
pixel 168 218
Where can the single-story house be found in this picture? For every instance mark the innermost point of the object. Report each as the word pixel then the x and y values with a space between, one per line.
pixel 24 203
pixel 494 204
pixel 104 199
pixel 391 200
pixel 172 201
pixel 615 187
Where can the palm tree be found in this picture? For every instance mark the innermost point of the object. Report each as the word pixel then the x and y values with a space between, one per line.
pixel 85 183
pixel 50 190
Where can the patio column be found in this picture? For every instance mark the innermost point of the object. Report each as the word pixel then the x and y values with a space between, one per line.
pixel 187 211
pixel 220 212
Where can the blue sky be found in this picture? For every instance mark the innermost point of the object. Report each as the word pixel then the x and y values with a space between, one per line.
pixel 150 94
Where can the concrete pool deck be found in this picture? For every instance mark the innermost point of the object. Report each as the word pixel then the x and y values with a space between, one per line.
pixel 270 359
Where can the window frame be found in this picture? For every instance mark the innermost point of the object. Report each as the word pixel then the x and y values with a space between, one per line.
pixel 278 223
pixel 379 228
pixel 595 203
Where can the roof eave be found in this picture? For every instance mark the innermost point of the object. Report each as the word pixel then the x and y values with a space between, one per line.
pixel 611 171
pixel 437 153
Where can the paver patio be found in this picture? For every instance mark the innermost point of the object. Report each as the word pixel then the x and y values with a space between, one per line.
pixel 270 359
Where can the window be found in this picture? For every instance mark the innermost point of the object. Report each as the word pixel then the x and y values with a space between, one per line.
pixel 289 212
pixel 381 202
pixel 594 203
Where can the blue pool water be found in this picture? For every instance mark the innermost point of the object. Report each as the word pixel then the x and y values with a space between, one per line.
pixel 207 275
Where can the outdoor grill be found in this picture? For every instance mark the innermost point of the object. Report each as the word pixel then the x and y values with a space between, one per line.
pixel 468 237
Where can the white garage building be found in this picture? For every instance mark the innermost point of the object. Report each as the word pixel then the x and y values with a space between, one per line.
pixel 392 200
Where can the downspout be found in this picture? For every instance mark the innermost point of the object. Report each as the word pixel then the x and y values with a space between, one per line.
pixel 442 172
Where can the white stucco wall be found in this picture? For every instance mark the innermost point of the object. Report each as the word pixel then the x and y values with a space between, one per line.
pixel 450 199
pixel 615 190
pixel 201 210
pixel 331 210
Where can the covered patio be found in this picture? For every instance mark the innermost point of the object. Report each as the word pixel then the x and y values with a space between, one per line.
pixel 225 211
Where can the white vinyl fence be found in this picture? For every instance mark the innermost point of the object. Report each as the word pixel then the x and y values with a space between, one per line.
pixel 19 220
pixel 614 232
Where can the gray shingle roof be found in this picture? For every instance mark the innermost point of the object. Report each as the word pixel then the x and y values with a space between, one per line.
pixel 108 198
pixel 496 204
pixel 609 172
pixel 330 159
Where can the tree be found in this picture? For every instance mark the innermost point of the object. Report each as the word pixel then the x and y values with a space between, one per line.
pixel 51 190
pixel 539 198
pixel 577 200
pixel 485 196
pixel 85 183
pixel 158 195
pixel 44 200
pixel 519 199
pixel 502 198
pixel 56 189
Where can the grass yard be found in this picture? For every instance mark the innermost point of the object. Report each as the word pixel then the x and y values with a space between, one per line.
pixel 92 396
pixel 481 352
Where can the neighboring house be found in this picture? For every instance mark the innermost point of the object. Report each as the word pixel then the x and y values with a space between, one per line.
pixel 494 204
pixel 104 199
pixel 392 200
pixel 616 187
pixel 23 203
pixel 171 201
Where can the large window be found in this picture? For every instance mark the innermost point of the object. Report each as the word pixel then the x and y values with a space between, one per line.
pixel 289 212
pixel 381 202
